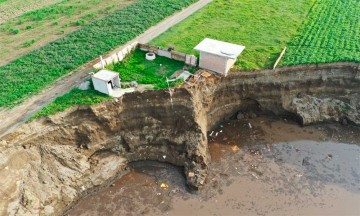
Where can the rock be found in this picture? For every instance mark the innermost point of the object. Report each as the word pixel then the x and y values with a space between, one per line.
pixel 240 116
pixel 312 110
pixel 49 210
pixel 344 121
pixel 84 86
pixel 305 161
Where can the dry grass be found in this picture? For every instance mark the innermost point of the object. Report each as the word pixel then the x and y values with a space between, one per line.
pixel 40 27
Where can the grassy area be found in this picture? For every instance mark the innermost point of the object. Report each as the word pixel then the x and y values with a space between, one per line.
pixel 1 1
pixel 263 26
pixel 36 28
pixel 31 73
pixel 74 97
pixel 330 34
pixel 136 67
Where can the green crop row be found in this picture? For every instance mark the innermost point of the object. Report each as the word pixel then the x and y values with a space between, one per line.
pixel 32 72
pixel 330 34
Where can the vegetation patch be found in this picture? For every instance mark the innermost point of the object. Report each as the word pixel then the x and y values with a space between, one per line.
pixel 263 26
pixel 44 24
pixel 74 97
pixel 32 72
pixel 136 68
pixel 330 34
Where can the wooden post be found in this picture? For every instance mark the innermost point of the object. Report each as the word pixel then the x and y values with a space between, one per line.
pixel 278 60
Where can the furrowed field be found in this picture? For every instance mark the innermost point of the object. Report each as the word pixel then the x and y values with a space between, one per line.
pixel 325 31
pixel 263 26
pixel 330 34
pixel 34 29
pixel 31 73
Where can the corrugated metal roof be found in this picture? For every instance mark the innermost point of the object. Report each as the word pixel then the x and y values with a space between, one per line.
pixel 220 48
pixel 106 75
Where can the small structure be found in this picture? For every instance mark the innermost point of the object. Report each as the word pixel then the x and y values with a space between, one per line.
pixel 107 82
pixel 218 56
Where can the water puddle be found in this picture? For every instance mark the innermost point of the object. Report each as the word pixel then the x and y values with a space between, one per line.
pixel 271 168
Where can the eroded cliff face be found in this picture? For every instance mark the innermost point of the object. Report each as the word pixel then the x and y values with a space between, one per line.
pixel 45 166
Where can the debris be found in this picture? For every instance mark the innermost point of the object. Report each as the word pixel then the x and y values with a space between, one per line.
pixel 254 175
pixel 330 156
pixel 221 126
pixel 268 147
pixel 134 84
pixel 299 175
pixel 164 156
pixel 205 74
pixel 164 186
pixel 250 126
pixel 216 133
pixel 235 148
pixel 221 131
pixel 158 194
pixel 191 174
pixel 305 161
pixel 211 133
pixel 112 185
pixel 240 116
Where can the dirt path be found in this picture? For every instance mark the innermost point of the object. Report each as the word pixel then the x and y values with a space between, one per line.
pixel 10 119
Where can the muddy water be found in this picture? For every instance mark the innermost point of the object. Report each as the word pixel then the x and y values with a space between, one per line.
pixel 267 167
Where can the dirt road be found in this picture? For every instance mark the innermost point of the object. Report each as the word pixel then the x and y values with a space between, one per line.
pixel 10 119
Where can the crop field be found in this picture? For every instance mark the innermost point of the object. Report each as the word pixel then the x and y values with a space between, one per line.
pixel 330 34
pixel 31 73
pixel 13 8
pixel 137 68
pixel 263 26
pixel 36 28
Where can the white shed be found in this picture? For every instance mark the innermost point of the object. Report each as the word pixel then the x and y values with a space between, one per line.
pixel 107 82
pixel 218 56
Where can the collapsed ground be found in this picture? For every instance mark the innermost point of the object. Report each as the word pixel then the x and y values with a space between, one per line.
pixel 50 163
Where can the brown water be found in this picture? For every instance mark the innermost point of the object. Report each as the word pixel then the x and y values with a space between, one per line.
pixel 273 168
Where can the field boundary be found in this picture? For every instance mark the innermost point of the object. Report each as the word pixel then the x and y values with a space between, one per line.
pixel 10 119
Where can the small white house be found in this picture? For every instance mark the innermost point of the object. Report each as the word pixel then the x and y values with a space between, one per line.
pixel 218 56
pixel 107 82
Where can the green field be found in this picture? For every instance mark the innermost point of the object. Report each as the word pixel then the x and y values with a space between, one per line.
pixel 263 26
pixel 31 73
pixel 74 97
pixel 37 28
pixel 136 67
pixel 330 34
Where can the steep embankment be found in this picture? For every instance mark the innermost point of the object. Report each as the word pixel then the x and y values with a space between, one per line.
pixel 48 164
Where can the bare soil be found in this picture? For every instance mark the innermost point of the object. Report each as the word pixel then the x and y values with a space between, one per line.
pixel 275 167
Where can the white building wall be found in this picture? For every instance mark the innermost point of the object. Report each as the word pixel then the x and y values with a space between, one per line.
pixel 213 63
pixel 230 63
pixel 100 85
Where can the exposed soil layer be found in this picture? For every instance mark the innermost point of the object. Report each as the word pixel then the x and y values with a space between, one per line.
pixel 47 165
pixel 274 168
